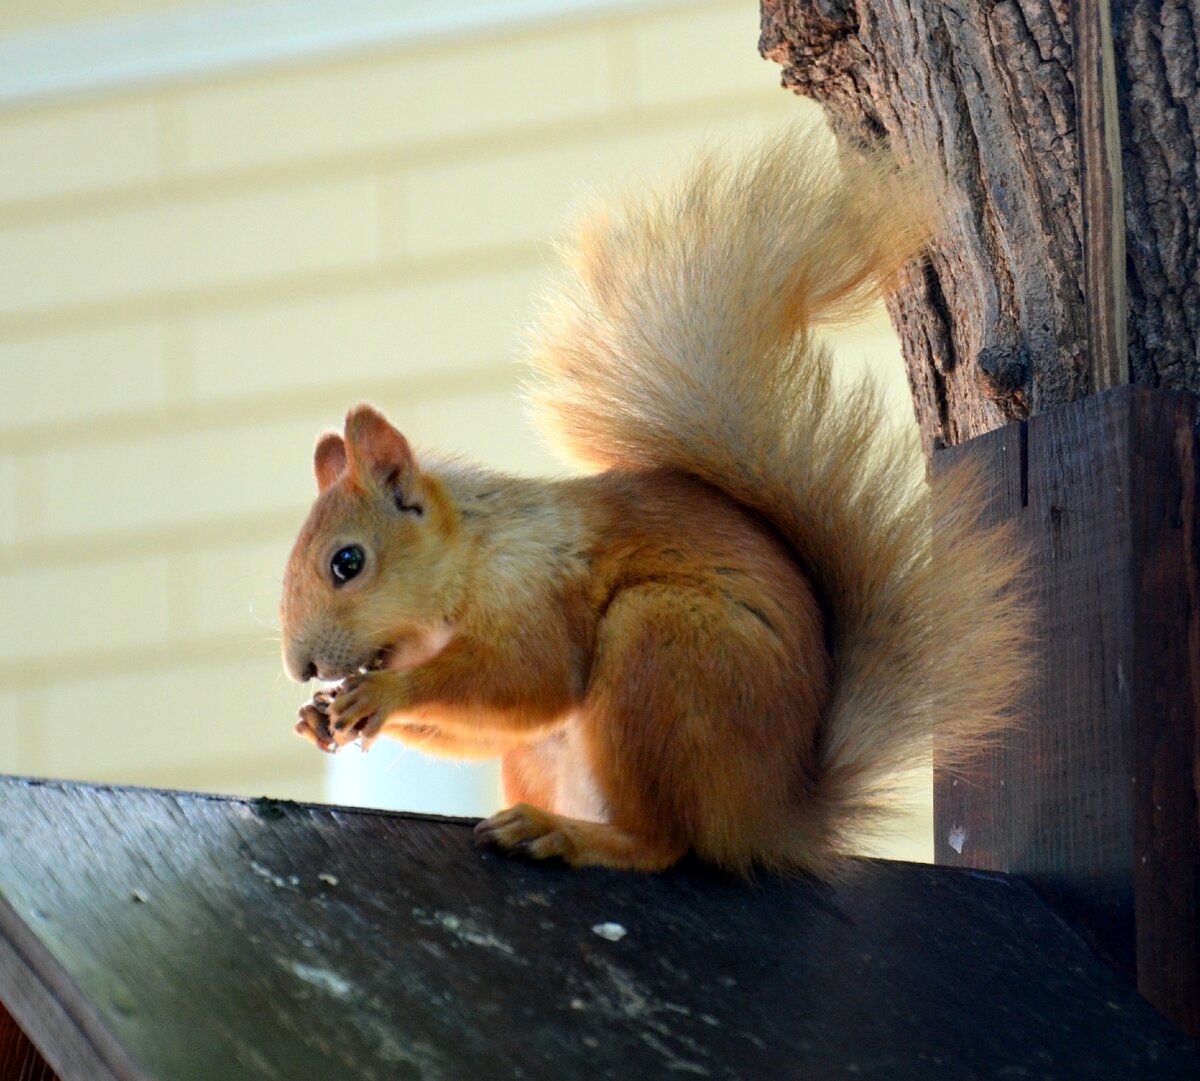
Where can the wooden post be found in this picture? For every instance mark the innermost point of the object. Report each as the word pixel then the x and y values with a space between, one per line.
pixel 1094 800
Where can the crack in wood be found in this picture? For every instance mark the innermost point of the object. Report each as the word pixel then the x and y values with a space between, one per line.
pixel 1101 190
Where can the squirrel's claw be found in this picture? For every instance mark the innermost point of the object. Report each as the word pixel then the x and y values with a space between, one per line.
pixel 360 708
pixel 313 726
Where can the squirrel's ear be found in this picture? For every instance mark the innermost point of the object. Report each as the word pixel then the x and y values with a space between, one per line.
pixel 329 460
pixel 378 454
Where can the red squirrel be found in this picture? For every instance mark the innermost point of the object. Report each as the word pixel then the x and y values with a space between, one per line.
pixel 729 634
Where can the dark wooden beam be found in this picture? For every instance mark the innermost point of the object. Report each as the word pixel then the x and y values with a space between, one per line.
pixel 1093 799
pixel 187 938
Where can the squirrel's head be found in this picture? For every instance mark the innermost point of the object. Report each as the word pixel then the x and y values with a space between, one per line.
pixel 363 579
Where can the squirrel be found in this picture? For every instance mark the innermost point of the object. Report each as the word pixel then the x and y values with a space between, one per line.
pixel 727 636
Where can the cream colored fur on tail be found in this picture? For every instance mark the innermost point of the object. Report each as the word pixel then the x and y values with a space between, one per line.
pixel 685 339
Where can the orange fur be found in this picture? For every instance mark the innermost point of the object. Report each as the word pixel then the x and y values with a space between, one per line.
pixel 728 637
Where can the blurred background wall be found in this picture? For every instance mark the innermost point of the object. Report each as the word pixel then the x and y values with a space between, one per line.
pixel 220 225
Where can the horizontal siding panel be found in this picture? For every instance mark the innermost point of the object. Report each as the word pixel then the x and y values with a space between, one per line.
pixel 71 377
pixel 329 342
pixel 75 149
pixel 447 92
pixel 235 589
pixel 29 14
pixel 703 53
pixel 529 196
pixel 188 244
pixel 150 721
pixel 70 610
pixel 173 480
pixel 9 527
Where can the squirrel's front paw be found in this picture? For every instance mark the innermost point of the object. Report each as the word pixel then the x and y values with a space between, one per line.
pixel 314 721
pixel 361 706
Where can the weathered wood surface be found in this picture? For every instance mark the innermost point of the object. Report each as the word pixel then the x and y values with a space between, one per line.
pixel 176 936
pixel 1094 800
pixel 996 327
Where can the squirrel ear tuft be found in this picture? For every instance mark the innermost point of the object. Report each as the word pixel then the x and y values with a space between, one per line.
pixel 329 460
pixel 378 454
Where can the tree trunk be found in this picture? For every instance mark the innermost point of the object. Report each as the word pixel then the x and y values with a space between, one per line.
pixel 998 325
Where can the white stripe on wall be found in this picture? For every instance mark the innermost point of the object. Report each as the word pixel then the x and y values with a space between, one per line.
pixel 163 46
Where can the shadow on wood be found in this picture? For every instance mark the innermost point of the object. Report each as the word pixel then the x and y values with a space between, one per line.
pixel 164 935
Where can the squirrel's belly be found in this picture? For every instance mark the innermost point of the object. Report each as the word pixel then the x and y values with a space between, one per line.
pixel 576 793
pixel 554 773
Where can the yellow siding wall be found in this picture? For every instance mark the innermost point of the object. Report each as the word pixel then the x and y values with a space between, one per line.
pixel 197 278
pixel 39 14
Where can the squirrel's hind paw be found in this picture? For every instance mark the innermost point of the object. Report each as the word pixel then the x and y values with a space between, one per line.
pixel 528 832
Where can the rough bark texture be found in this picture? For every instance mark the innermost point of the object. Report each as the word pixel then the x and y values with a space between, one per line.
pixel 995 328
pixel 1157 79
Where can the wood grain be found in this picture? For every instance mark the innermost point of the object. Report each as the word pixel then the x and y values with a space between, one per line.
pixel 1101 193
pixel 1094 799
pixel 217 938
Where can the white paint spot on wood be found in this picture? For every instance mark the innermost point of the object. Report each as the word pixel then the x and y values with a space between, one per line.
pixel 322 978
pixel 465 930
pixel 614 932
pixel 291 882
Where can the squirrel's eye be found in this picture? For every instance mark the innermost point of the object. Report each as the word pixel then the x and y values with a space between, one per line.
pixel 347 563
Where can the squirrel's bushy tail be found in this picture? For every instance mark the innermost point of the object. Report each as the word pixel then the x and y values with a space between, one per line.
pixel 685 339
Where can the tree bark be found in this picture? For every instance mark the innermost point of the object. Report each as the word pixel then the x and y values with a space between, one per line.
pixel 997 325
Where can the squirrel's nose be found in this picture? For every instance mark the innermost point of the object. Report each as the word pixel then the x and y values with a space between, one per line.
pixel 301 669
